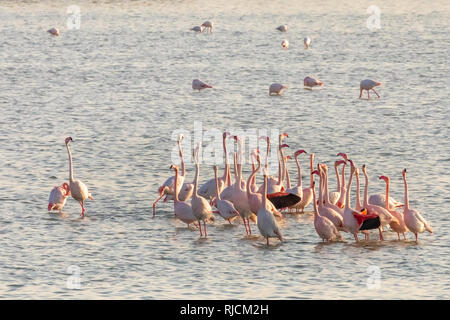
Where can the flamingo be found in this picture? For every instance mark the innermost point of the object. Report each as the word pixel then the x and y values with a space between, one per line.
pixel 341 200
pixel 335 195
pixel 255 198
pixel 182 209
pixel 307 42
pixel 285 44
pixel 380 199
pixel 254 155
pixel 368 84
pixel 282 28
pixel 307 192
pixel 324 227
pixel 167 188
pixel 225 208
pixel 398 226
pixel 311 82
pixel 276 89
pixel 208 25
pixel 208 189
pixel 58 197
pixel 385 216
pixel 199 85
pixel 53 31
pixel 200 207
pixel 326 194
pixel 78 189
pixel 298 189
pixel 275 185
pixel 354 221
pixel 413 219
pixel 332 215
pixel 197 29
pixel 267 225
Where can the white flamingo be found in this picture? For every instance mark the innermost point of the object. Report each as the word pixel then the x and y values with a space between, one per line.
pixel 324 227
pixel 276 89
pixel 78 189
pixel 267 224
pixel 58 197
pixel 182 209
pixel 200 206
pixel 413 219
pixel 398 226
pixel 367 85
pixel 199 85
pixel 225 208
pixel 208 25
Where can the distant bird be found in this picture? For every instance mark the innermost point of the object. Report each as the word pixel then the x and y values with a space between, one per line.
pixel 282 28
pixel 199 85
pixel 197 29
pixel 285 44
pixel 78 189
pixel 307 42
pixel 276 89
pixel 53 31
pixel 311 82
pixel 368 84
pixel 208 25
pixel 58 197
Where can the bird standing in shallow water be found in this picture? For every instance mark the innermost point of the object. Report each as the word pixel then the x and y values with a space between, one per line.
pixel 58 197
pixel 368 85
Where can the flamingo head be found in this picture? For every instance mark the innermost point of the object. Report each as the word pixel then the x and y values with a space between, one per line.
pixel 315 172
pixel 174 167
pixel 299 152
pixel 288 157
pixel 404 172
pixel 68 139
pixel 363 169
pixel 343 155
pixel 66 187
pixel 284 135
pixel 353 164
pixel 364 211
pixel 339 162
pixel 236 138
pixel 385 178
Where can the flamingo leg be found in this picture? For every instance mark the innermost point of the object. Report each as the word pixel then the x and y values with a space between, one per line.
pixel 381 234
pixel 360 93
pixel 404 236
pixel 368 94
pixel 245 225
pixel 416 237
pixel 200 228
pixel 154 204
pixel 248 223
pixel 375 92
pixel 267 240
pixel 83 210
pixel 398 235
pixel 356 237
pixel 204 227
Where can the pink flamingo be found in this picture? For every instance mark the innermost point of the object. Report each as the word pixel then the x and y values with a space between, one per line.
pixel 324 227
pixel 58 197
pixel 341 200
pixel 225 208
pixel 413 219
pixel 368 84
pixel 311 82
pixel 276 89
pixel 199 85
pixel 53 31
pixel 326 194
pixel 78 189
pixel 307 192
pixel 335 195
pixel 398 226
pixel 182 209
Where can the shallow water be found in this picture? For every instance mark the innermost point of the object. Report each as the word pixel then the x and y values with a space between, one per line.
pixel 121 86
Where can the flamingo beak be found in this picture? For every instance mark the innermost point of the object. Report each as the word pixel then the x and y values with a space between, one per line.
pixel 315 172
pixel 284 146
pixel 364 211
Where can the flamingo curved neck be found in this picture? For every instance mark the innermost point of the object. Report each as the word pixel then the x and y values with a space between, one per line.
pixel 406 205
pixel 264 200
pixel 316 210
pixel 299 171
pixel 338 179
pixel 311 165
pixel 70 163
pixel 180 151
pixel 366 189
pixel 358 200
pixel 175 200
pixel 327 199
pixel 225 172
pixel 343 178
pixel 288 179
pixel 249 191
pixel 386 202
pixel 349 185
pixel 320 189
pixel 217 184
pixel 197 169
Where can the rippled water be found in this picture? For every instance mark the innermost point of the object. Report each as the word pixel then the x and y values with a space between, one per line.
pixel 121 85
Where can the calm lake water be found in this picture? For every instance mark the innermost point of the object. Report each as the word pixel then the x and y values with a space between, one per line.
pixel 120 85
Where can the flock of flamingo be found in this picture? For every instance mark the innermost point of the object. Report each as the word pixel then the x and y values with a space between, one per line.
pixel 268 203
pixel 275 88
